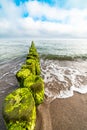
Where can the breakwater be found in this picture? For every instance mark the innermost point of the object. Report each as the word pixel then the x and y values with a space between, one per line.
pixel 19 108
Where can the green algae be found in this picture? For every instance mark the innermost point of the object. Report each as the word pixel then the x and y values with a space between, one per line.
pixel 29 81
pixel 24 125
pixel 20 106
pixel 38 92
pixel 38 70
pixel 22 74
pixel 36 85
pixel 34 81
pixel 19 110
pixel 33 54
pixel 33 66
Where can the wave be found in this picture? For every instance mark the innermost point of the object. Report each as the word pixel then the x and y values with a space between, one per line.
pixel 62 79
pixel 63 57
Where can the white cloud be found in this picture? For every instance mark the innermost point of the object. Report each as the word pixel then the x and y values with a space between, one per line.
pixel 37 9
pixel 73 21
pixel 76 4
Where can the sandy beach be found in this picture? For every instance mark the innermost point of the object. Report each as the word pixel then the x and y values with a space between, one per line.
pixel 63 114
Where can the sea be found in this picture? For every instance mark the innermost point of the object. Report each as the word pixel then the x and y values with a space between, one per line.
pixel 63 65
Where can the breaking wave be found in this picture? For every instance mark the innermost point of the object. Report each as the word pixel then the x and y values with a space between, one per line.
pixel 62 78
pixel 63 57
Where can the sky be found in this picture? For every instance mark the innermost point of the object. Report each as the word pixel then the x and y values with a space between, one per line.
pixel 43 18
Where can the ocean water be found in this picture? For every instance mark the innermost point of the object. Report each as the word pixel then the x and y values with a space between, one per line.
pixel 63 65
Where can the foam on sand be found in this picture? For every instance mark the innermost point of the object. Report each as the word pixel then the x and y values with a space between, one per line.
pixel 63 78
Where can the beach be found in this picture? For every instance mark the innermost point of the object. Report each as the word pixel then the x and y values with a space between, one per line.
pixel 65 78
pixel 69 114
pixel 65 114
pixel 58 114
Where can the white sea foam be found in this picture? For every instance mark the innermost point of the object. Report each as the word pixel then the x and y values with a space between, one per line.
pixel 62 78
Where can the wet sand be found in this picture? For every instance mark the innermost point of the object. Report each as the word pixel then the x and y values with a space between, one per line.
pixel 43 118
pixel 63 114
pixel 70 113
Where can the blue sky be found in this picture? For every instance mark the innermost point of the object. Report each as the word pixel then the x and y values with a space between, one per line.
pixel 43 18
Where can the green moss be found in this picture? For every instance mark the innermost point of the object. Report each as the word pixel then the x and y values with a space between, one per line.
pixel 34 66
pixel 36 85
pixel 17 125
pixel 24 66
pixel 32 79
pixel 29 81
pixel 19 110
pixel 38 90
pixel 19 107
pixel 24 125
pixel 22 74
pixel 38 70
pixel 31 57
pixel 30 61
pixel 31 65
pixel 33 52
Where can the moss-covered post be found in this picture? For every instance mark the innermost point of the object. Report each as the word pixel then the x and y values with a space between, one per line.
pixel 19 108
pixel 29 75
